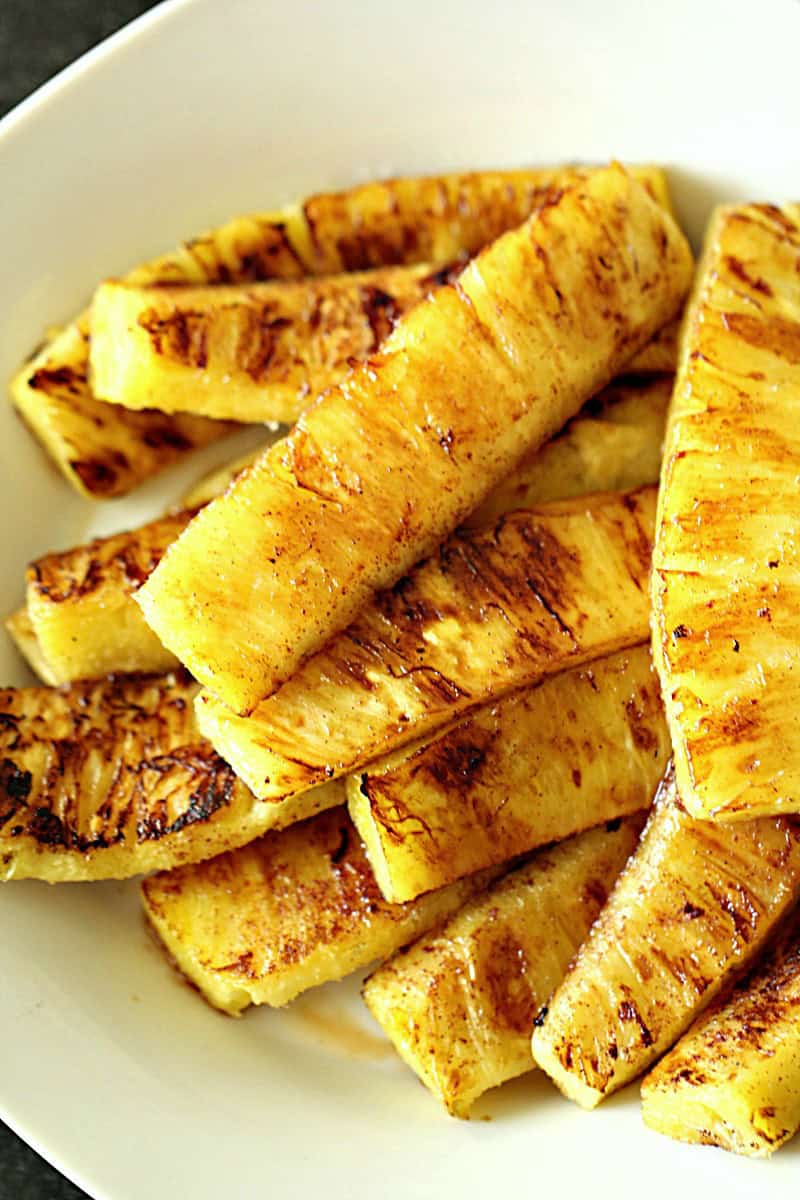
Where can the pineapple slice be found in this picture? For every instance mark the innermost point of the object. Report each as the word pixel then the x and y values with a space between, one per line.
pixel 255 353
pixel 438 217
pixel 383 467
pixel 614 444
pixel 493 611
pixel 107 780
pixel 105 451
pixel 290 911
pixel 726 584
pixel 102 449
pixel 584 747
pixel 693 907
pixel 734 1079
pixel 80 604
pixel 20 631
pixel 459 1005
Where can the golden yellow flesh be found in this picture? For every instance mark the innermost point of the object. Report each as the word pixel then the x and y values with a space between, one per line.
pixel 726 584
pixel 614 444
pixel 491 612
pixel 81 609
pixel 112 779
pixel 583 747
pixel 383 467
pixel 459 1005
pixel 290 911
pixel 694 905
pixel 734 1079
pixel 20 630
pixel 259 352
pixel 104 451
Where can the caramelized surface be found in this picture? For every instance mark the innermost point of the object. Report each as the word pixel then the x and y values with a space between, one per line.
pixel 693 907
pixel 726 588
pixel 285 913
pixel 584 747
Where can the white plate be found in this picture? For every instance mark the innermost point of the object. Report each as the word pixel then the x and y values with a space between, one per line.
pixel 118 1074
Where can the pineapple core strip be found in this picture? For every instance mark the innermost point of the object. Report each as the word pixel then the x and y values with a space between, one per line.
pixel 105 451
pixel 81 609
pixel 726 584
pixel 380 469
pixel 460 1004
pixel 254 353
pixel 693 907
pixel 614 444
pixel 585 746
pixel 112 779
pixel 81 600
pixel 734 1079
pixel 290 911
pixel 491 612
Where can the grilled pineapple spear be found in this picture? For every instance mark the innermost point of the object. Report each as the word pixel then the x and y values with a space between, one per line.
pixel 105 451
pixel 80 601
pixel 459 1004
pixel 614 444
pixel 292 910
pixel 493 611
pixel 255 353
pixel 111 779
pixel 733 1080
pixel 584 747
pixel 380 469
pixel 726 583
pixel 694 906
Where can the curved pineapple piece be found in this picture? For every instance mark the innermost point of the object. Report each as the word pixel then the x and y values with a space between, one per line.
pixel 493 611
pixel 726 581
pixel 106 451
pixel 80 603
pixel 111 779
pixel 459 1004
pixel 584 747
pixel 250 354
pixel 693 907
pixel 379 470
pixel 288 912
pixel 734 1079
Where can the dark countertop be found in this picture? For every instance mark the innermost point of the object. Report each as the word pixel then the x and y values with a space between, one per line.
pixel 37 39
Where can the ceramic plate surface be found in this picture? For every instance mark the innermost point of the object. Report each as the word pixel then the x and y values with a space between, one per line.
pixel 111 1068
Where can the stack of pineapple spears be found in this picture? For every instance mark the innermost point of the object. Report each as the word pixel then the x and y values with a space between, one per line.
pixel 457 731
